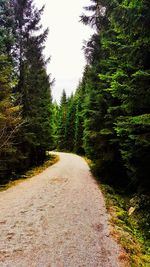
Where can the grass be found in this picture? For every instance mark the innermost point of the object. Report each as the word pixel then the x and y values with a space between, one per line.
pixel 89 161
pixel 51 159
pixel 130 224
pixel 127 227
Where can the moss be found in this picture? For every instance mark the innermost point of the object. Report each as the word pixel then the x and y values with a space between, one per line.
pixel 128 230
pixel 51 159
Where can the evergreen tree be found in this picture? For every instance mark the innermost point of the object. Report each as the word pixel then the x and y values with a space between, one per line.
pixel 79 119
pixel 119 54
pixel 130 85
pixel 100 142
pixel 61 140
pixel 10 119
pixel 23 81
pixel 10 112
pixel 38 105
pixel 54 123
pixel 33 85
pixel 70 124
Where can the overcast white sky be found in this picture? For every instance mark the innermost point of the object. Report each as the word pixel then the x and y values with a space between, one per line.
pixel 65 41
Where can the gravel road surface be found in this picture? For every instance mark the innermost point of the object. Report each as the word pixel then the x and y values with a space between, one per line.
pixel 56 219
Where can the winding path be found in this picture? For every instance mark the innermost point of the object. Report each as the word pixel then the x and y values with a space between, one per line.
pixel 56 219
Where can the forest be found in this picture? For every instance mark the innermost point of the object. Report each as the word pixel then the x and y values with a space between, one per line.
pixel 107 119
pixel 25 89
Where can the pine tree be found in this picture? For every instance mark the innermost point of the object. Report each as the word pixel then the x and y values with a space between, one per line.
pixel 37 105
pixel 61 139
pixel 100 139
pixel 130 85
pixel 119 55
pixel 54 123
pixel 79 119
pixel 34 84
pixel 10 112
pixel 70 124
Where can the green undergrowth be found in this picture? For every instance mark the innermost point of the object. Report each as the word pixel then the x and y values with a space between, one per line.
pixel 50 160
pixel 130 220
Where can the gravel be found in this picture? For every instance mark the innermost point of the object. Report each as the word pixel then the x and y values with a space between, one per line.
pixel 56 219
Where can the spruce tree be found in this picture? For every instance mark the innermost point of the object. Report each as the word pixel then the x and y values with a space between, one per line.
pixel 70 124
pixel 79 119
pixel 100 139
pixel 120 58
pixel 10 111
pixel 34 84
pixel 61 128
pixel 130 85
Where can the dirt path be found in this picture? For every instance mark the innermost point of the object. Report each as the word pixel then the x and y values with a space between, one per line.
pixel 56 219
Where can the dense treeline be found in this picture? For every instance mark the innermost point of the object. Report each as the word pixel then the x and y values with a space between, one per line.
pixel 108 118
pixel 25 97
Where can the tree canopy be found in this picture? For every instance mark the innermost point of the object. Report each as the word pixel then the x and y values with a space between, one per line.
pixel 26 130
pixel 111 106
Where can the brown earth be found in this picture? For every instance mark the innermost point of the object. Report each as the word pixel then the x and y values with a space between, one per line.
pixel 56 219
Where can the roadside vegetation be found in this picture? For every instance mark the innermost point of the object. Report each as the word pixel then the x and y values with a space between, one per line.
pixel 130 220
pixel 26 120
pixel 13 181
pixel 107 119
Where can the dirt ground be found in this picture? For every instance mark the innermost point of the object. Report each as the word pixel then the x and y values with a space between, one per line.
pixel 56 219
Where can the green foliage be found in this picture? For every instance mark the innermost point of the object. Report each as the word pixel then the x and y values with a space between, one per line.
pixel 54 124
pixel 70 125
pixel 79 120
pixel 132 230
pixel 61 125
pixel 26 126
pixel 66 123
pixel 34 86
pixel 116 107
pixel 108 117
pixel 10 119
pixel 10 109
pixel 49 160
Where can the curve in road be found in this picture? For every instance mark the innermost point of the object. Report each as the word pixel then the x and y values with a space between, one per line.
pixel 56 219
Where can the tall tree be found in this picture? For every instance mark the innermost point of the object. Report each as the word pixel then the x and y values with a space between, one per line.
pixel 34 84
pixel 38 104
pixel 130 85
pixel 70 124
pixel 120 58
pixel 10 112
pixel 61 129
pixel 23 81
pixel 79 119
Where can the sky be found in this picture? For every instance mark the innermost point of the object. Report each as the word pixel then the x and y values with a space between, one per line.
pixel 65 42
